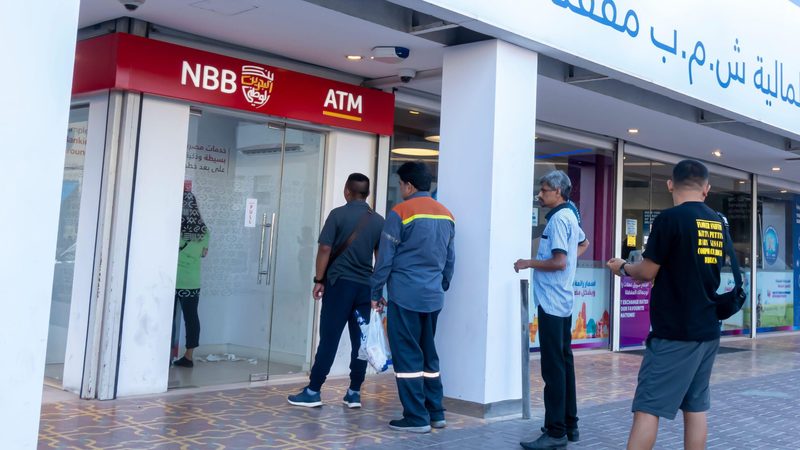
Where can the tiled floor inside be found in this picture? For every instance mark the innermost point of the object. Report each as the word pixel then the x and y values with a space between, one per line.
pixel 759 384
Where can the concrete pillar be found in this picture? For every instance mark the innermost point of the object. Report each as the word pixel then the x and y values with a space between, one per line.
pixel 486 179
pixel 39 51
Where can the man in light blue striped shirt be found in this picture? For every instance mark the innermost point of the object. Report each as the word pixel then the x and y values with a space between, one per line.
pixel 556 260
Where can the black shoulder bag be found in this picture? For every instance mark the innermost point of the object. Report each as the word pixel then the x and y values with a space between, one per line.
pixel 729 303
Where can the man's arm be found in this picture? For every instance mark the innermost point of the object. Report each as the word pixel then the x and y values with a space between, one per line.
pixel 644 270
pixel 390 238
pixel 449 265
pixel 582 247
pixel 323 256
pixel 555 263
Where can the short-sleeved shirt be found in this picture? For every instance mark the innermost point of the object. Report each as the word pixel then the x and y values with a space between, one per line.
pixel 687 242
pixel 355 263
pixel 554 290
pixel 190 253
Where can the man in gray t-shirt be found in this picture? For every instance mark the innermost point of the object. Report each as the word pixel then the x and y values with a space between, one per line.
pixel 347 243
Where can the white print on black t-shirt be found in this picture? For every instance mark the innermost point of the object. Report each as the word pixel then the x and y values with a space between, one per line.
pixel 709 240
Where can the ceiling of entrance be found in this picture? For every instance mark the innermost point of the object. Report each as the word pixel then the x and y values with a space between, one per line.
pixel 312 34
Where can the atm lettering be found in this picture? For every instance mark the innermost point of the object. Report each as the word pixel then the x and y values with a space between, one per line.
pixel 343 101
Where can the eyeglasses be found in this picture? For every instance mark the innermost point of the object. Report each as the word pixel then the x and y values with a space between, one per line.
pixel 547 190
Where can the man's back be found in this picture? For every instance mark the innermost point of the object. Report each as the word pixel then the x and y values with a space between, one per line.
pixel 687 242
pixel 420 231
pixel 355 263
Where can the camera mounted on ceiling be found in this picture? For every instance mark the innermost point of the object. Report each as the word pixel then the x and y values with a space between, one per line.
pixel 132 5
pixel 406 75
pixel 390 54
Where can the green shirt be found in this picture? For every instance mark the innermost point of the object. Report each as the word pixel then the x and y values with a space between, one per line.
pixel 189 263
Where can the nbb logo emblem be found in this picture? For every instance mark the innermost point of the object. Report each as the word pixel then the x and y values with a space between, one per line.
pixel 257 82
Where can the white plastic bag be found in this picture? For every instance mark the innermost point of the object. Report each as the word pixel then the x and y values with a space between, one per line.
pixel 364 326
pixel 378 353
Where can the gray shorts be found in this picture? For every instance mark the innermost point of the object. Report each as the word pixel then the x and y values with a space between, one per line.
pixel 674 375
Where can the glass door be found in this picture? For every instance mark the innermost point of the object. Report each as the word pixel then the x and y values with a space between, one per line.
pixel 258 190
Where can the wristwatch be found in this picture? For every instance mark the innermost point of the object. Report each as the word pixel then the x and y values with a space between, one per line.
pixel 321 281
pixel 622 272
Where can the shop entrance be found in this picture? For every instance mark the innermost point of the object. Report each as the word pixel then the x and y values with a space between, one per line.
pixel 258 190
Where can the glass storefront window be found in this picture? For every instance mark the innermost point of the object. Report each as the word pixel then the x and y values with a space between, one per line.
pixel 416 138
pixel 67 239
pixel 644 196
pixel 778 274
pixel 591 172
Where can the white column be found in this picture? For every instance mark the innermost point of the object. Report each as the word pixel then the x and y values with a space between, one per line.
pixel 35 88
pixel 486 179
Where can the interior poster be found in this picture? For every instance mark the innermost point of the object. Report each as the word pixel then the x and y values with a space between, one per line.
pixel 590 315
pixel 634 316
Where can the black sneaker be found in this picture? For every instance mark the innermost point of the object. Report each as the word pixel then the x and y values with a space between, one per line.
pixel 573 435
pixel 546 442
pixel 304 398
pixel 405 425
pixel 183 362
pixel 352 400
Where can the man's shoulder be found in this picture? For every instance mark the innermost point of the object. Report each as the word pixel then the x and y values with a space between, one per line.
pixel 422 206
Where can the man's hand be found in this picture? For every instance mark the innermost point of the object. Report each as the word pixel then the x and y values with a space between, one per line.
pixel 614 264
pixel 378 305
pixel 318 291
pixel 521 264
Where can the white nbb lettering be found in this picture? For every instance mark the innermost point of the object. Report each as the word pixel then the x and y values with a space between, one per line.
pixel 208 77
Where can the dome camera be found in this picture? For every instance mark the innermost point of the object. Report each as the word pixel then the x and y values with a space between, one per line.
pixel 132 5
pixel 407 75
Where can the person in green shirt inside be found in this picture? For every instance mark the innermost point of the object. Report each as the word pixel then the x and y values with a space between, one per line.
pixel 193 247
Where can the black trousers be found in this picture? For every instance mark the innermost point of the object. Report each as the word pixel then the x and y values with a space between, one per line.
pixel 558 373
pixel 189 299
pixel 416 364
pixel 339 304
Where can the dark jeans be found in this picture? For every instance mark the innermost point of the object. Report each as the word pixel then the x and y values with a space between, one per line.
pixel 339 304
pixel 558 373
pixel 188 299
pixel 416 364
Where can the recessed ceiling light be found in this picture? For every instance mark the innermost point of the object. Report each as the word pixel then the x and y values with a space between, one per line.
pixel 717 153
pixel 742 181
pixel 783 191
pixel 415 151
pixel 776 169
pixel 433 138
pixel 633 130
pixel 416 113
pixel 355 57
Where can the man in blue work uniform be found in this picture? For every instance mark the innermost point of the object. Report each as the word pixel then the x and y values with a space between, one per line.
pixel 416 259
pixel 563 241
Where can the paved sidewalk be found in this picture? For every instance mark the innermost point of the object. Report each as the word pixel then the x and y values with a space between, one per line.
pixel 755 405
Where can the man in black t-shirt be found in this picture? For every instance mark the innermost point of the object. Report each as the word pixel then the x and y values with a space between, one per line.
pixel 347 243
pixel 683 258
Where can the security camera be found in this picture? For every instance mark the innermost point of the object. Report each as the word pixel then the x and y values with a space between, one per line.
pixel 390 55
pixel 407 75
pixel 132 5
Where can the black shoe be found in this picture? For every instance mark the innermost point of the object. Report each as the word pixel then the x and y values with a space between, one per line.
pixel 546 442
pixel 573 435
pixel 405 425
pixel 183 362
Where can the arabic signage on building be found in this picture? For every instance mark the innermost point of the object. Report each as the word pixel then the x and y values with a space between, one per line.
pixel 736 56
pixel 126 62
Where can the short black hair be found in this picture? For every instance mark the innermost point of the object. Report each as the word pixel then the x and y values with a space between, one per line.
pixel 358 184
pixel 689 173
pixel 417 174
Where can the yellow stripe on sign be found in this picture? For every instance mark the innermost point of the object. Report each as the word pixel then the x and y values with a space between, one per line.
pixel 428 216
pixel 341 116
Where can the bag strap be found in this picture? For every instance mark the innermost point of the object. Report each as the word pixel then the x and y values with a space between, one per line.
pixel 728 245
pixel 344 245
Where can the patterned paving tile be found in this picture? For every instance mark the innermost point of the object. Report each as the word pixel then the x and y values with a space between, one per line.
pixel 260 418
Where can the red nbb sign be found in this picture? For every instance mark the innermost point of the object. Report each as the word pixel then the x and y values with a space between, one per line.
pixel 126 62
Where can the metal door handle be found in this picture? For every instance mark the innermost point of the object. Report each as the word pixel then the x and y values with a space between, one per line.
pixel 264 225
